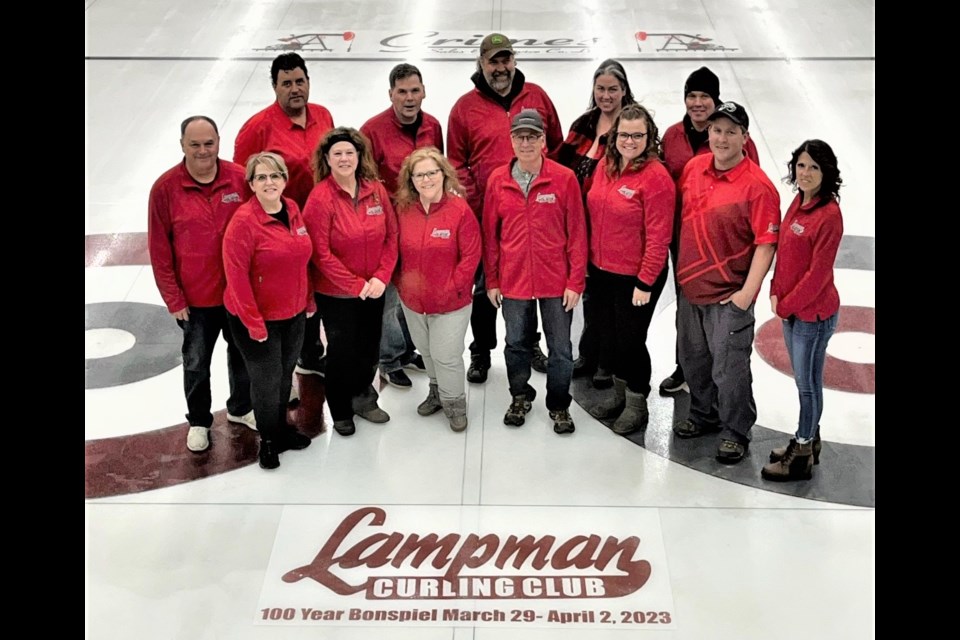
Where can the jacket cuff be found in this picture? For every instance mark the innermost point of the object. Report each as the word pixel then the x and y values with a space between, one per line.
pixel 643 286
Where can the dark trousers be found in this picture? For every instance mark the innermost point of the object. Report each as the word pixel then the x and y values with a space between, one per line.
pixel 312 349
pixel 270 364
pixel 716 341
pixel 621 327
pixel 483 320
pixel 200 334
pixel 520 317
pixel 353 349
pixel 674 252
pixel 589 347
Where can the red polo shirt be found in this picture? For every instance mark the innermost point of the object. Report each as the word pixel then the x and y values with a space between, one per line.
pixel 725 216
pixel 273 130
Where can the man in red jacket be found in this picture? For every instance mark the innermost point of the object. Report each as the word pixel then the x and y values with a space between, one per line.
pixel 189 208
pixel 535 250
pixel 393 135
pixel 292 128
pixel 681 142
pixel 478 142
pixel 731 222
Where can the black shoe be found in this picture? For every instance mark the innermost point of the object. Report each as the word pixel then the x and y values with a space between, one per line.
pixel 291 439
pixel 562 422
pixel 582 368
pixel 397 378
pixel 602 379
pixel 316 368
pixel 478 369
pixel 690 429
pixel 539 361
pixel 345 427
pixel 730 452
pixel 269 455
pixel 673 383
pixel 416 364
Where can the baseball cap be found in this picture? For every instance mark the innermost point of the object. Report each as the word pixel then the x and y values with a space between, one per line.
pixel 733 111
pixel 493 44
pixel 527 119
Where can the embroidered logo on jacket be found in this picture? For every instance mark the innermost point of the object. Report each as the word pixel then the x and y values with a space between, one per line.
pixel 546 197
pixel 440 233
pixel 301 231
pixel 230 197
pixel 626 192
pixel 773 227
pixel 797 228
pixel 375 211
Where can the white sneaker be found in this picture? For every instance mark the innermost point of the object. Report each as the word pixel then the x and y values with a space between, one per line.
pixel 198 438
pixel 247 420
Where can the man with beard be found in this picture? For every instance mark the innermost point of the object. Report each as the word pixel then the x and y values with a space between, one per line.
pixel 478 141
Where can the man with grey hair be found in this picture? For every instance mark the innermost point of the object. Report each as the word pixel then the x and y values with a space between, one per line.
pixel 478 142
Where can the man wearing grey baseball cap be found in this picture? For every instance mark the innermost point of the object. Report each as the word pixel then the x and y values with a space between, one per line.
pixel 731 222
pixel 478 142
pixel 535 254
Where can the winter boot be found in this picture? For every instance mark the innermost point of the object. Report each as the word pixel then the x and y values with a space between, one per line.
pixel 432 404
pixel 634 417
pixel 612 406
pixel 456 412
pixel 796 463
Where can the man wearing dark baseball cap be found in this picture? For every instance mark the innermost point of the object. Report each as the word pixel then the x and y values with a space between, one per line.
pixel 535 256
pixel 682 141
pixel 478 141
pixel 731 220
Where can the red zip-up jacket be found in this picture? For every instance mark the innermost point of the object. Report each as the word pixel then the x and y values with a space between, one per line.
pixel 803 275
pixel 390 144
pixel 478 134
pixel 535 246
pixel 266 266
pixel 273 130
pixel 631 221
pixel 351 243
pixel 185 234
pixel 439 254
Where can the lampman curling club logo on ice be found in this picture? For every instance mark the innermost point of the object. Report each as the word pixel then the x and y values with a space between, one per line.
pixel 391 565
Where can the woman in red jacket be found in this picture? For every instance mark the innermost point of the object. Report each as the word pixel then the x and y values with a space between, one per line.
pixel 803 295
pixel 266 251
pixel 354 232
pixel 439 253
pixel 630 213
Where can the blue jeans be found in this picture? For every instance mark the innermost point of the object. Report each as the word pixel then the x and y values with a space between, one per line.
pixel 396 345
pixel 807 345
pixel 520 316
pixel 200 334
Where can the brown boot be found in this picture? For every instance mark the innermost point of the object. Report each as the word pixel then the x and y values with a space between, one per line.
pixel 777 454
pixel 796 463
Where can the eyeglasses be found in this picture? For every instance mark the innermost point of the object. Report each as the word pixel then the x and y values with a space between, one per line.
pixel 527 139
pixel 636 137
pixel 420 177
pixel 262 177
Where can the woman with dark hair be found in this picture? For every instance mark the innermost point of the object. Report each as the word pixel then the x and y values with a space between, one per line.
pixel 354 232
pixel 581 151
pixel 265 256
pixel 630 216
pixel 803 295
pixel 439 253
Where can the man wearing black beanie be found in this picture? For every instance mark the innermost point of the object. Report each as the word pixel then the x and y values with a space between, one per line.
pixel 681 142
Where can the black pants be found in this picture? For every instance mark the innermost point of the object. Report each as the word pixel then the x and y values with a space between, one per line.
pixel 312 349
pixel 483 319
pixel 270 364
pixel 621 328
pixel 200 333
pixel 353 349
